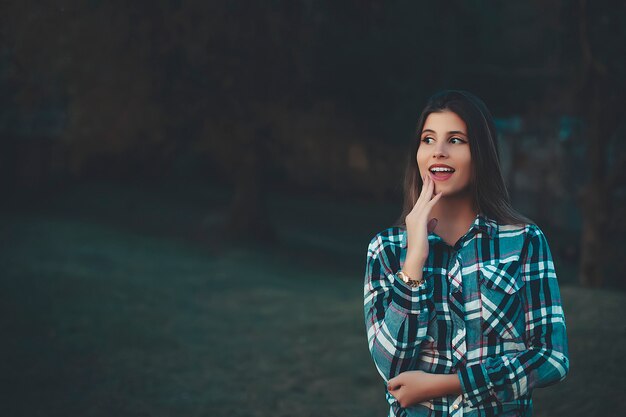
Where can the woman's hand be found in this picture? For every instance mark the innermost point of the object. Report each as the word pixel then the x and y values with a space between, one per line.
pixel 417 227
pixel 414 387
pixel 411 387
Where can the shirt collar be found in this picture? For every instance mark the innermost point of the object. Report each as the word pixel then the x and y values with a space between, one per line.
pixel 481 223
pixel 485 224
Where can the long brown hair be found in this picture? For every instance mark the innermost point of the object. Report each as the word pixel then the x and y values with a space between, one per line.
pixel 488 189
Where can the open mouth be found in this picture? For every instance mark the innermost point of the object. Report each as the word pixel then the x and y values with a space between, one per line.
pixel 441 173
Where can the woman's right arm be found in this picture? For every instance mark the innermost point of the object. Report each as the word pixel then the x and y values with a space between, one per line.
pixel 396 315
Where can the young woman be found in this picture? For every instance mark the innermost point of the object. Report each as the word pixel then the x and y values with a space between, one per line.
pixel 462 306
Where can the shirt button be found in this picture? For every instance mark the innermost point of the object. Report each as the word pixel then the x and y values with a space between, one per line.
pixel 459 332
pixel 455 406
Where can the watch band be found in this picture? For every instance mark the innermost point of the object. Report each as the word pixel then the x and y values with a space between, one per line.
pixel 413 283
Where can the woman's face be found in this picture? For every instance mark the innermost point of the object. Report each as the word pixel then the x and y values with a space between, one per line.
pixel 444 153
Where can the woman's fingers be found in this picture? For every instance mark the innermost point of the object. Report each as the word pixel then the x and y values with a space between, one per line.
pixel 426 195
pixel 428 207
pixel 430 190
pixel 434 200
pixel 393 383
pixel 424 209
pixel 427 191
pixel 418 226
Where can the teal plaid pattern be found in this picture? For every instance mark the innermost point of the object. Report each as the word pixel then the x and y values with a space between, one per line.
pixel 490 311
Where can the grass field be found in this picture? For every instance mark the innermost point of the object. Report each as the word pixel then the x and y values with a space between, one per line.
pixel 126 301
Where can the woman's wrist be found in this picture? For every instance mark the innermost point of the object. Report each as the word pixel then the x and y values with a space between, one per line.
pixel 442 385
pixel 447 384
pixel 413 267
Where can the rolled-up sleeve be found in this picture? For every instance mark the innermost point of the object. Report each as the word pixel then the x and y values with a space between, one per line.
pixel 396 315
pixel 545 360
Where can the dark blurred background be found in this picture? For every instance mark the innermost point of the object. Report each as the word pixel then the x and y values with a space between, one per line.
pixel 188 188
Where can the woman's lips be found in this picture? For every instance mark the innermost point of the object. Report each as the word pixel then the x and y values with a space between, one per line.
pixel 440 176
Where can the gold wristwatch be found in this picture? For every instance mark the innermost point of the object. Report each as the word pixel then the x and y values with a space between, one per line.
pixel 413 283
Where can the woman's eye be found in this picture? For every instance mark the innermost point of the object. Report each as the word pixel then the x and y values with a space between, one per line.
pixel 456 140
pixel 427 139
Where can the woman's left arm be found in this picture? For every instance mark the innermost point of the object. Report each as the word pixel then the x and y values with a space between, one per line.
pixel 545 360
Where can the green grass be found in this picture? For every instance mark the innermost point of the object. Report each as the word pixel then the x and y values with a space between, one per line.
pixel 111 307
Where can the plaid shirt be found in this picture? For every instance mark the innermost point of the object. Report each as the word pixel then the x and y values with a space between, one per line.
pixel 490 311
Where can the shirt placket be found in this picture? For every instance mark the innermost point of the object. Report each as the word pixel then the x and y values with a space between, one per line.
pixel 459 331
pixel 457 310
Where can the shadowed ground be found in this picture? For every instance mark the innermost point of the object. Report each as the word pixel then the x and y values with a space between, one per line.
pixel 115 302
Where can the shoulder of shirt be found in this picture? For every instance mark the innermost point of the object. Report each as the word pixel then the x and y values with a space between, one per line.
pixel 535 232
pixel 523 228
pixel 528 231
pixel 392 236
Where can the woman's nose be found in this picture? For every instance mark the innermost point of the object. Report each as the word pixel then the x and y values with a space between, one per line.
pixel 440 152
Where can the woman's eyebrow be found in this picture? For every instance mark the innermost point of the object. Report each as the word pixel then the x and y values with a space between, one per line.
pixel 452 132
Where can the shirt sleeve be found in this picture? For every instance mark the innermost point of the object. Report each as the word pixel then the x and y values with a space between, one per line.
pixel 396 315
pixel 545 359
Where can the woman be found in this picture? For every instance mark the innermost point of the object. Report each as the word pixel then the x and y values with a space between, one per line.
pixel 462 305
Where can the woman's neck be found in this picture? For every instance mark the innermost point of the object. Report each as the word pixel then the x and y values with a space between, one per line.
pixel 454 218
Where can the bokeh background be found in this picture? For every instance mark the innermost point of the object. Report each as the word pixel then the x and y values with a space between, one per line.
pixel 188 188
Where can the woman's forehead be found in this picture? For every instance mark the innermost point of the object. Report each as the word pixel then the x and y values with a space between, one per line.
pixel 444 122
